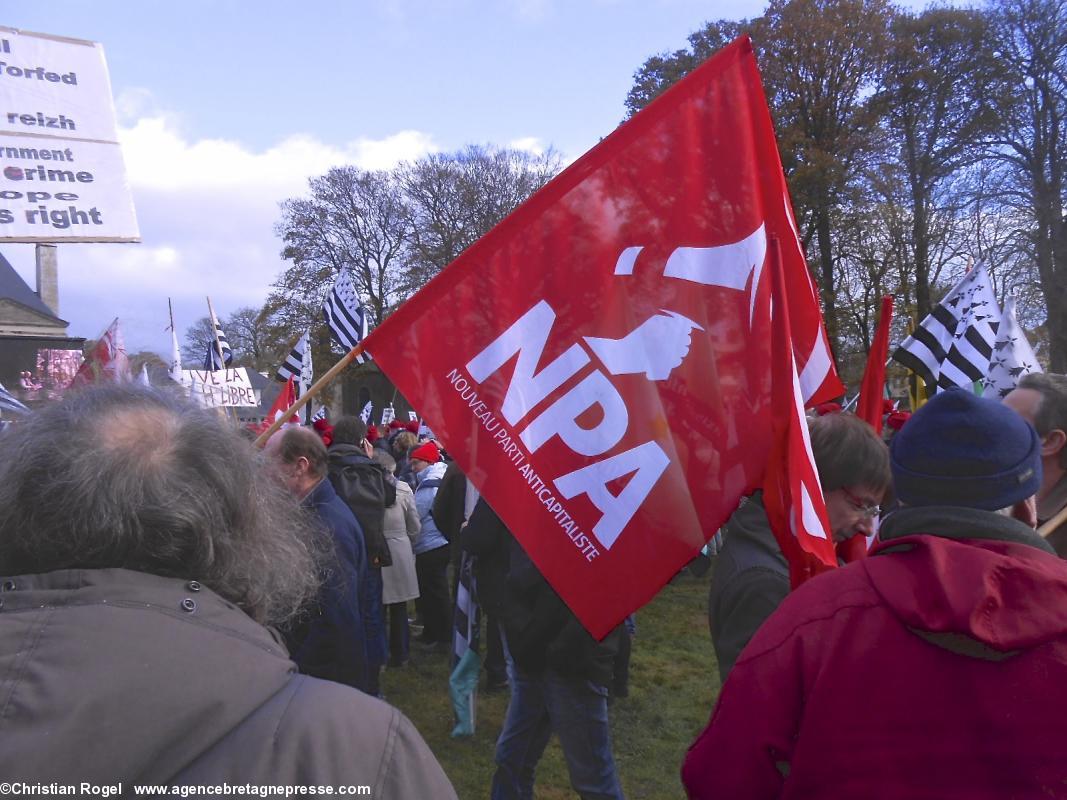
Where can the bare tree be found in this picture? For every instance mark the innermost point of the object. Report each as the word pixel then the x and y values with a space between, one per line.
pixel 940 99
pixel 1030 44
pixel 456 199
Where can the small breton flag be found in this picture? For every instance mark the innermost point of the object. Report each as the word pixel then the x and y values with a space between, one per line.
pixel 219 355
pixel 345 315
pixel 8 402
pixel 953 345
pixel 297 366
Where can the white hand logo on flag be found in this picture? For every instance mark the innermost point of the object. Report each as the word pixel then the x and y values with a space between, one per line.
pixel 655 347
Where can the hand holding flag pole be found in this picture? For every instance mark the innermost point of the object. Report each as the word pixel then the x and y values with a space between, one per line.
pixel 306 398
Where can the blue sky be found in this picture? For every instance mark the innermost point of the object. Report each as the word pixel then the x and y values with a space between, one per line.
pixel 226 108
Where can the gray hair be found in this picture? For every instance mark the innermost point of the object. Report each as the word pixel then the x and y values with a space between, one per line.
pixel 1052 411
pixel 121 476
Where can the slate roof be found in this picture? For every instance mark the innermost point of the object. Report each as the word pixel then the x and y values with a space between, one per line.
pixel 12 287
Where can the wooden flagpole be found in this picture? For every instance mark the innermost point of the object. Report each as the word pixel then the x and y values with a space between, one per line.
pixel 1054 523
pixel 311 393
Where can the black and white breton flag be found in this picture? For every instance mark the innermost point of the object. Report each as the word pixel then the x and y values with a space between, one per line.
pixel 8 402
pixel 466 618
pixel 953 345
pixel 218 355
pixel 345 314
pixel 297 365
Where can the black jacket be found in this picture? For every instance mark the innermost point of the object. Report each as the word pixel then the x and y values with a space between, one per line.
pixel 362 484
pixel 542 632
pixel 750 581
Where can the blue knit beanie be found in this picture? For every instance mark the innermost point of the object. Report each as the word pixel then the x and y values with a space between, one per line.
pixel 963 450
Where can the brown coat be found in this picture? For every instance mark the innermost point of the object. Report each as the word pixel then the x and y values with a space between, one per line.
pixel 113 675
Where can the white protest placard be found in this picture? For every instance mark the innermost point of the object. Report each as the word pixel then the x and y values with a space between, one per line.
pixel 220 388
pixel 388 414
pixel 63 175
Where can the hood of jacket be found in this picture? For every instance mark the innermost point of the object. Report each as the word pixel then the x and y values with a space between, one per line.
pixel 973 581
pixel 436 470
pixel 113 674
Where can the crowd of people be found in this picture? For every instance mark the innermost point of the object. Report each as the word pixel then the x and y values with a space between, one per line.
pixel 178 608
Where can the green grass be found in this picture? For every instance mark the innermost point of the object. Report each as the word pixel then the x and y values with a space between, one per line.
pixel 673 682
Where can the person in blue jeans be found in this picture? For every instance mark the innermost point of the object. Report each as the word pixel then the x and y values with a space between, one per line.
pixel 559 677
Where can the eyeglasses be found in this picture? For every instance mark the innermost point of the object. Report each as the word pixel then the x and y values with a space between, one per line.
pixel 871 510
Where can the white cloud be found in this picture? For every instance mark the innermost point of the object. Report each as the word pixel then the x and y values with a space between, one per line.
pixel 529 144
pixel 157 157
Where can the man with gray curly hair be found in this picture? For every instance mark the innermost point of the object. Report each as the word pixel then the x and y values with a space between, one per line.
pixel 142 553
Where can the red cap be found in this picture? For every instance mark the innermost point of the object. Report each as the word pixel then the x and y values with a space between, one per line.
pixel 827 408
pixel 412 426
pixel 888 406
pixel 396 425
pixel 427 452
pixel 372 434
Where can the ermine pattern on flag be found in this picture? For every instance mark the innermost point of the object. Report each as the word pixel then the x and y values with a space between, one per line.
pixel 293 366
pixel 320 414
pixel 213 359
pixel 345 314
pixel 1012 355
pixel 953 345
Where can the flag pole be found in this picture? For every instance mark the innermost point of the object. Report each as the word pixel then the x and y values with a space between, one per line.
pixel 1054 523
pixel 311 393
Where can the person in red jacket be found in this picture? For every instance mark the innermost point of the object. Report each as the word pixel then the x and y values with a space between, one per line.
pixel 937 667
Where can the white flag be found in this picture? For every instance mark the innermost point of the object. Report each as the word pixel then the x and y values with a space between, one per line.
pixel 1012 355
pixel 174 369
pixel 365 414
pixel 388 414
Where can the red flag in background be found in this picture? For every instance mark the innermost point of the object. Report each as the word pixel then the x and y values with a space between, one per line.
pixel 871 407
pixel 107 361
pixel 286 397
pixel 599 364
pixel 792 494
pixel 872 390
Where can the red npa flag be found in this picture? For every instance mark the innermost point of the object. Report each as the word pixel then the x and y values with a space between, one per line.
pixel 596 363
pixel 792 493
